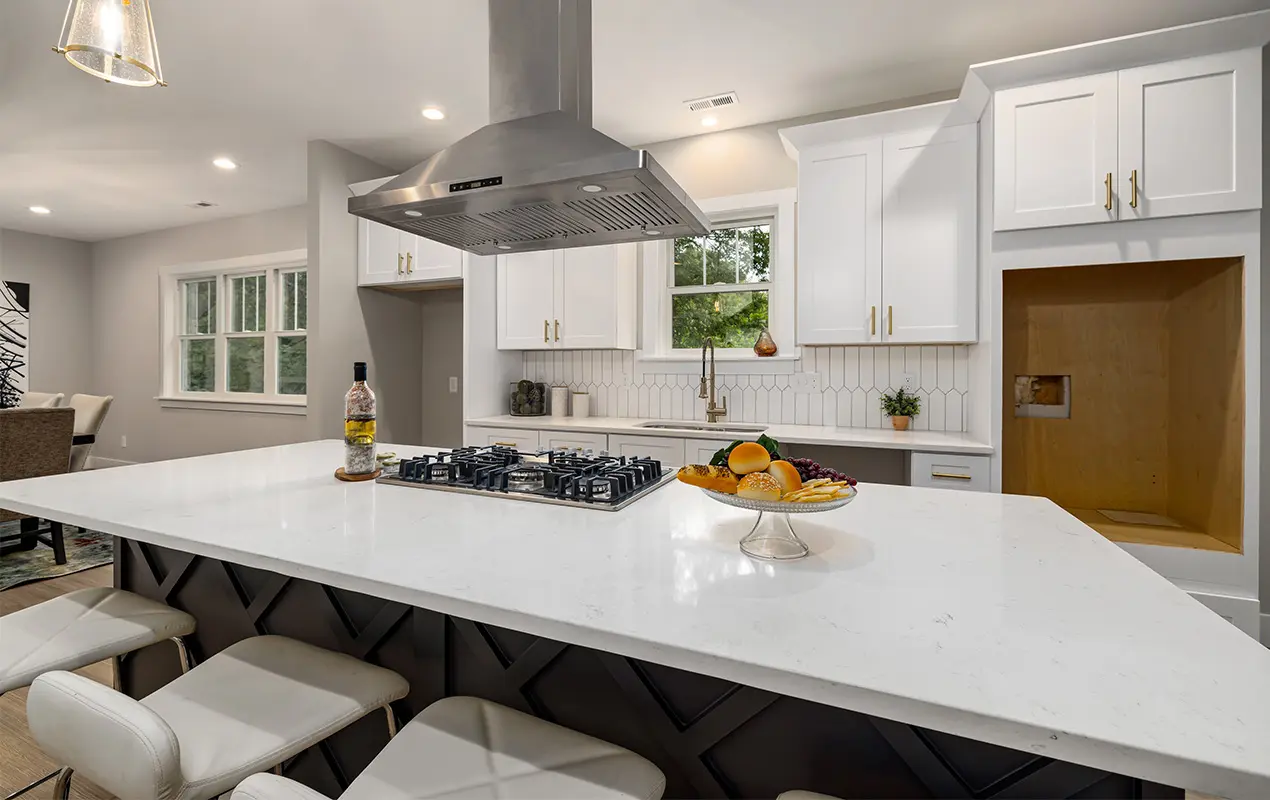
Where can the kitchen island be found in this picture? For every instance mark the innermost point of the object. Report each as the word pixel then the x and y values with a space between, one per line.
pixel 935 643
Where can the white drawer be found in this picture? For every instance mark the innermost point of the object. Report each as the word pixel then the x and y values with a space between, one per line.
pixel 670 452
pixel 700 451
pixel 573 440
pixel 949 471
pixel 519 438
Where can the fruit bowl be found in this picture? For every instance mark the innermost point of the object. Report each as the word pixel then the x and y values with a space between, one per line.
pixel 773 538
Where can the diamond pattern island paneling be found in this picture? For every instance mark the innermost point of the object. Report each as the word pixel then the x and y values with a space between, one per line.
pixel 711 737
pixel 852 380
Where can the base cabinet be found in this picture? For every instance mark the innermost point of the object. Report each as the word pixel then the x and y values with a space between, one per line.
pixel 521 439
pixel 949 471
pixel 669 451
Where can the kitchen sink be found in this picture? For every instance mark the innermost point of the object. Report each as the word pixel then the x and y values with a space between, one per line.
pixel 704 426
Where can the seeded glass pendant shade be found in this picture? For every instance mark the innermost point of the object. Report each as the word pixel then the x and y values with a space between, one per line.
pixel 112 39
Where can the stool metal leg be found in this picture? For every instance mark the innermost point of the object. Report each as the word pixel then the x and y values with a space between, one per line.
pixel 392 721
pixel 62 789
pixel 31 786
pixel 184 653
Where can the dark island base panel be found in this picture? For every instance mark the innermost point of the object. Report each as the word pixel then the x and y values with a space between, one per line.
pixel 710 737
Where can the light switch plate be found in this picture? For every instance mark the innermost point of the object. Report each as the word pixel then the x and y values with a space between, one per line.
pixel 454 385
pixel 805 381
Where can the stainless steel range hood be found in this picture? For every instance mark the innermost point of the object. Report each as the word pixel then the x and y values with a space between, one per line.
pixel 538 176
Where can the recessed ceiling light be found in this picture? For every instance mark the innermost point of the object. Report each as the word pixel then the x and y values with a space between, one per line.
pixel 709 122
pixel 413 213
pixel 591 187
pixel 224 163
pixel 40 210
pixel 433 113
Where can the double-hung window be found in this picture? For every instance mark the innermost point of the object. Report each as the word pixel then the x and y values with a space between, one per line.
pixel 720 285
pixel 236 331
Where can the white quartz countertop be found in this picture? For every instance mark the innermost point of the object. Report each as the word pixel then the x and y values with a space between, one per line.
pixel 887 439
pixel 995 617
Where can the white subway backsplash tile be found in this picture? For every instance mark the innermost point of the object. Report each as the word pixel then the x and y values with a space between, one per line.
pixel 852 379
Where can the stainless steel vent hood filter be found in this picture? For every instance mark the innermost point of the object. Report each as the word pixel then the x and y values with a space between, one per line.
pixel 539 176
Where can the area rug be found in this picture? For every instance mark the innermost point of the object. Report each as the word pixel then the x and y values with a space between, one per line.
pixel 84 550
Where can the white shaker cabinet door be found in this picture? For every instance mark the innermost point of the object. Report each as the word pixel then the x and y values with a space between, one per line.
pixel 588 291
pixel 380 258
pixel 700 451
pixel 1190 138
pixel 669 451
pixel 840 243
pixel 522 439
pixel 573 440
pixel 526 298
pixel 429 262
pixel 929 239
pixel 1055 153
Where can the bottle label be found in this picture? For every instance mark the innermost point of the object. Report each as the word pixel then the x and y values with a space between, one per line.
pixel 359 432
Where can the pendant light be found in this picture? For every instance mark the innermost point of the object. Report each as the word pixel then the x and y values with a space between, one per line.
pixel 112 39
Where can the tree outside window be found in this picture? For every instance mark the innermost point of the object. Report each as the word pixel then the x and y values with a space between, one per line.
pixel 721 283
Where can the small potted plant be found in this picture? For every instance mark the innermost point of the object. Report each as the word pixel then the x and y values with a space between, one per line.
pixel 901 407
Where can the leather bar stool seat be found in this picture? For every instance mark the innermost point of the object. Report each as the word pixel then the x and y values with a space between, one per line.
pixel 468 748
pixel 248 708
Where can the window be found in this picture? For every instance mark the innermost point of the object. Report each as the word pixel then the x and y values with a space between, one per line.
pixel 720 285
pixel 237 331
pixel 728 285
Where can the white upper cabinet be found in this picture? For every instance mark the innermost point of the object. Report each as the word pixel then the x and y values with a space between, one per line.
pixel 1171 139
pixel 575 299
pixel 1190 136
pixel 1056 153
pixel 381 259
pixel 929 235
pixel 887 234
pixel 389 257
pixel 526 300
pixel 428 261
pixel 840 243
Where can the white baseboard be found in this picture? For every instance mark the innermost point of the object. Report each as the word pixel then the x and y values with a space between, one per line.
pixel 101 462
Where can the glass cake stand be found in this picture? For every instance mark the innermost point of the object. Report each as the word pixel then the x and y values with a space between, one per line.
pixel 773 538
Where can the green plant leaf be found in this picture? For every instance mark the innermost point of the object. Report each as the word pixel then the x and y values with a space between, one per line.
pixel 771 445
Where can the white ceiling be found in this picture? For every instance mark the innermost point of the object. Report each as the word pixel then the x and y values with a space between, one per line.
pixel 256 80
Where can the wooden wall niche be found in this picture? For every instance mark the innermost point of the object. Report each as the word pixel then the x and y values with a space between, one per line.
pixel 1155 355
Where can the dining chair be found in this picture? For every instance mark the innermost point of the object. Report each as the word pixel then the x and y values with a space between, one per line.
pixel 90 413
pixel 40 400
pixel 35 442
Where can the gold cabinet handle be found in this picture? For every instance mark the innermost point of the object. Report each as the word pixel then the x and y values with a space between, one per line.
pixel 1107 205
pixel 873 320
pixel 890 320
pixel 1133 189
pixel 399 257
pixel 409 258
pixel 950 475
pixel 557 330
pixel 546 336
pixel 504 444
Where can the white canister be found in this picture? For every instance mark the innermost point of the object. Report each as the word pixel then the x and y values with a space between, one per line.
pixel 559 401
pixel 581 404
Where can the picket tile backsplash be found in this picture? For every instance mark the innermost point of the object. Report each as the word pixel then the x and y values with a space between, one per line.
pixel 851 379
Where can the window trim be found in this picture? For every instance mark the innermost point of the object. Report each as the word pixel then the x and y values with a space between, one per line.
pixel 272 265
pixel 655 353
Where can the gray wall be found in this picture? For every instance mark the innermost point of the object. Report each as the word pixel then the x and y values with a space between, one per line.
pixel 349 324
pixel 126 347
pixel 442 359
pixel 60 274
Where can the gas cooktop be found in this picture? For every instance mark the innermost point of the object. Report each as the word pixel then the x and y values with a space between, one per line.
pixel 563 478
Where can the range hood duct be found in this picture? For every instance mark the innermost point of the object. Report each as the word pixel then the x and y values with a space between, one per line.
pixel 517 183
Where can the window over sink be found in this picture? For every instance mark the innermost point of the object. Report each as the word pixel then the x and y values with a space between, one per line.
pixel 727 285
pixel 235 332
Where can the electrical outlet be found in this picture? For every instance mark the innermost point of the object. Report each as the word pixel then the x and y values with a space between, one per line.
pixel 805 381
pixel 454 385
pixel 910 381
pixel 123 441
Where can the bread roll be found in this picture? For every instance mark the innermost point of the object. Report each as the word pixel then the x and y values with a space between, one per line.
pixel 749 457
pixel 786 474
pixel 759 486
pixel 719 479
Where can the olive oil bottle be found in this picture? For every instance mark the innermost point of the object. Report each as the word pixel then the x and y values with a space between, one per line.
pixel 359 425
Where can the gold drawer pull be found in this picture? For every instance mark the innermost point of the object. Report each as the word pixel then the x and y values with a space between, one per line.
pixel 546 331
pixel 890 321
pixel 950 475
pixel 399 258
pixel 557 330
pixel 504 444
pixel 873 320
pixel 1133 189
pixel 409 257
pixel 1107 205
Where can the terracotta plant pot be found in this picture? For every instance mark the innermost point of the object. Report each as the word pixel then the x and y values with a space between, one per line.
pixel 900 423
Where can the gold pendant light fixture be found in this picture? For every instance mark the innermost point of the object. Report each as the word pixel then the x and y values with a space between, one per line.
pixel 112 39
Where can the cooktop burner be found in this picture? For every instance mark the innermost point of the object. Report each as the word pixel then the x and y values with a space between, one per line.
pixel 572 479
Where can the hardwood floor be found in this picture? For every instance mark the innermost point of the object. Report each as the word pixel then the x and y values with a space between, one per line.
pixel 21 760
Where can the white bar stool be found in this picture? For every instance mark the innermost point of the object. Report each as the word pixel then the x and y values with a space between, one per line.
pixel 82 628
pixel 246 709
pixel 472 748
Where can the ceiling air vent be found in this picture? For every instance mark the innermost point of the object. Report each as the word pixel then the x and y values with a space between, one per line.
pixel 713 101
pixel 202 204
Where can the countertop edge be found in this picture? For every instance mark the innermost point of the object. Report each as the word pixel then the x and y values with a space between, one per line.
pixel 941 443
